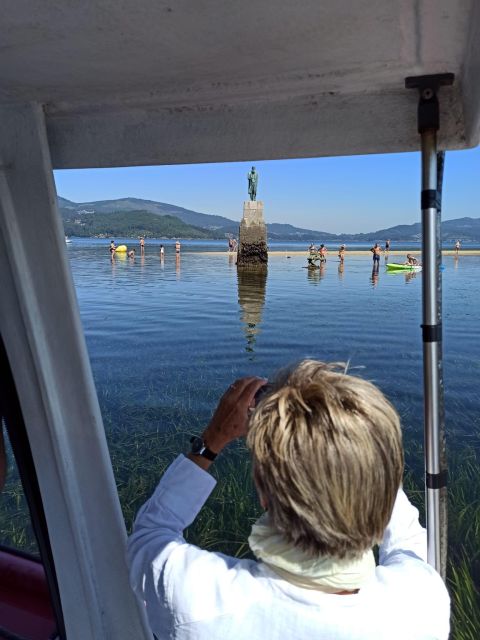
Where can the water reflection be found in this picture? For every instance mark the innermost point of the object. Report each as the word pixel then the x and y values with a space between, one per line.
pixel 251 298
pixel 341 269
pixel 374 276
pixel 409 276
pixel 177 265
pixel 315 274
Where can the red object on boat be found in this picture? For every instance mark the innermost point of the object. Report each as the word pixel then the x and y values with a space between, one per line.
pixel 25 607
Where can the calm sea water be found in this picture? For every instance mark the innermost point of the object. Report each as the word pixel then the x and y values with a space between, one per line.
pixel 166 338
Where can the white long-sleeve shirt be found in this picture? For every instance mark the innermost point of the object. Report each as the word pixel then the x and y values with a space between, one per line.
pixel 201 595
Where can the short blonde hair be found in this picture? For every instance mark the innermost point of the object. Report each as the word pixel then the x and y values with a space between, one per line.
pixel 327 458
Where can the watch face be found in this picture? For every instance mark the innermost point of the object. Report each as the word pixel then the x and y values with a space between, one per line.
pixel 197 445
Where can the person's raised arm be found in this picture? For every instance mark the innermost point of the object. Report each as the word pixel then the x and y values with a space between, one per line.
pixel 157 550
pixel 404 533
pixel 230 419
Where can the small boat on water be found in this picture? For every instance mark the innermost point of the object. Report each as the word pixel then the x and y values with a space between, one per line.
pixel 68 240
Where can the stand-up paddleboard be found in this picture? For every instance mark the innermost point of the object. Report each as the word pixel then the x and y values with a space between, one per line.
pixel 394 266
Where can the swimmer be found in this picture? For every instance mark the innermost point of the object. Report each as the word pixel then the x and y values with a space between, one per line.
pixel 131 253
pixel 411 260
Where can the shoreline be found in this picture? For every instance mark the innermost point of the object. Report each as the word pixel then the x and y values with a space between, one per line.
pixel 354 252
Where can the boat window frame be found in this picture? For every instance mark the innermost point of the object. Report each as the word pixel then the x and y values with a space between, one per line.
pixel 12 417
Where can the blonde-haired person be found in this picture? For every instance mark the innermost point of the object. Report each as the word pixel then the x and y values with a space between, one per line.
pixel 327 462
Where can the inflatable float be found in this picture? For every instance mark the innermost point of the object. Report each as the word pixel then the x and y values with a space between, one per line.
pixel 394 266
pixel 122 248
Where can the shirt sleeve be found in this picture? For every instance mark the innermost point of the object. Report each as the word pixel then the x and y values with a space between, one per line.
pixel 403 563
pixel 404 533
pixel 158 530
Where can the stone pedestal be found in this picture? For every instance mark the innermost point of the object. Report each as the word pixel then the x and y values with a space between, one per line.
pixel 252 237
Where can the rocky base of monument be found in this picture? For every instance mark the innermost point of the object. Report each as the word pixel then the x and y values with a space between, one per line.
pixel 252 255
pixel 252 237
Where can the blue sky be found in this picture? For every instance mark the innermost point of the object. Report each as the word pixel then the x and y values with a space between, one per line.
pixel 344 194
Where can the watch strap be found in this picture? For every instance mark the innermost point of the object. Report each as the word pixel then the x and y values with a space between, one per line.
pixel 199 448
pixel 208 453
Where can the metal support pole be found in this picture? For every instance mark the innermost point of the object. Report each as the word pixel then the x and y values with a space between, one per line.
pixel 434 428
pixel 432 345
pixel 442 491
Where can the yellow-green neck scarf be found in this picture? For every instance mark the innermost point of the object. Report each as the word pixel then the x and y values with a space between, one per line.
pixel 322 573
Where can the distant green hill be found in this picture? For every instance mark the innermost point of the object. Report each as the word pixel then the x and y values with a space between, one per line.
pixel 193 224
pixel 215 223
pixel 195 218
pixel 130 224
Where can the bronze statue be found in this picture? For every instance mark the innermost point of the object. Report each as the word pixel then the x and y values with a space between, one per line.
pixel 252 177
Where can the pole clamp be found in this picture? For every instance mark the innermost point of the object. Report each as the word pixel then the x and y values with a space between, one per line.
pixel 430 199
pixel 432 332
pixel 436 480
pixel 428 111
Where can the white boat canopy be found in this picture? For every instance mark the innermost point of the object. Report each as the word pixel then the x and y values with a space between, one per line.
pixel 138 82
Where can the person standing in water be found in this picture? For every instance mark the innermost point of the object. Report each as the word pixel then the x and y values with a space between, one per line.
pixel 323 253
pixel 387 246
pixel 142 245
pixel 162 252
pixel 341 252
pixel 177 246
pixel 376 250
pixel 457 247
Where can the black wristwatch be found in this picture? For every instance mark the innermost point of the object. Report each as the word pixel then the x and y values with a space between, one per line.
pixel 199 448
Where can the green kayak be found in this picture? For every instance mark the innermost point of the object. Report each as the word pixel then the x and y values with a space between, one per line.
pixel 394 266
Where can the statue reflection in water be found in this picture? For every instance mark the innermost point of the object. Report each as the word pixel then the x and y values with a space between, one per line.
pixel 251 298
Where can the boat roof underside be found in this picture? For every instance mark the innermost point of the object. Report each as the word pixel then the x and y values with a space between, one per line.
pixel 135 82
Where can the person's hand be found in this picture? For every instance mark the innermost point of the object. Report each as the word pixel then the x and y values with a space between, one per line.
pixel 230 419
